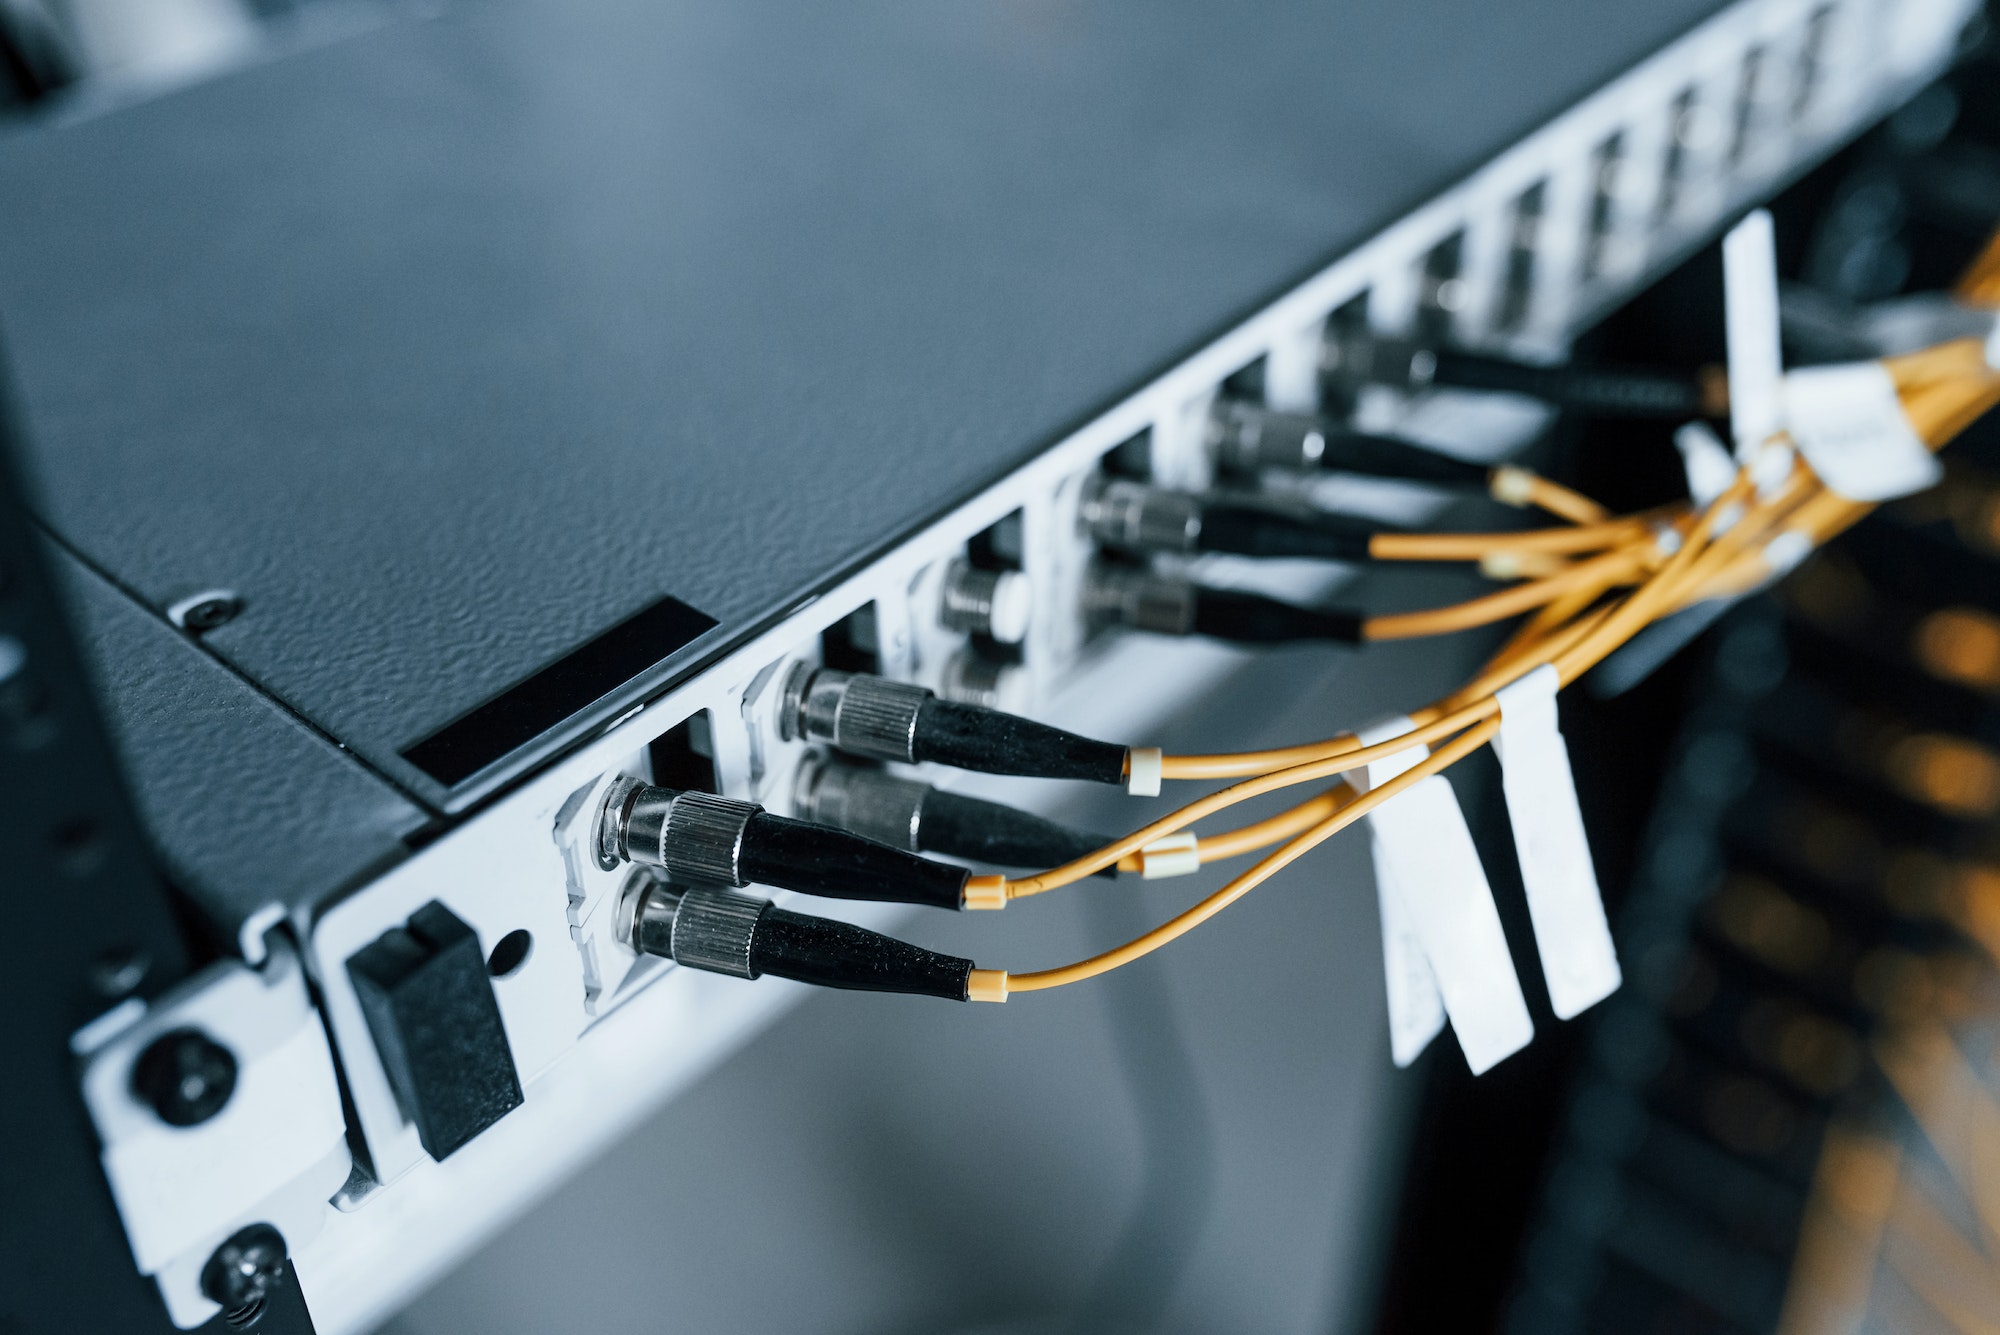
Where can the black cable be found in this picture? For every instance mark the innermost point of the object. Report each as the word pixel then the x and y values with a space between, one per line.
pixel 1249 530
pixel 1248 438
pixel 908 814
pixel 720 931
pixel 1249 618
pixel 969 827
pixel 1131 516
pixel 1604 391
pixel 880 719
pixel 834 864
pixel 826 953
pixel 976 738
pixel 702 839
pixel 1386 456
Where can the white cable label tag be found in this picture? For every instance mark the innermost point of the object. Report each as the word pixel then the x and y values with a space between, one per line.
pixel 1852 430
pixel 1710 467
pixel 1421 837
pixel 1578 959
pixel 1416 1011
pixel 1750 320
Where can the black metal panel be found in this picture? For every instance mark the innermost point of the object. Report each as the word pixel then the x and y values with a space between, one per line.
pixel 451 346
pixel 246 805
pixel 89 925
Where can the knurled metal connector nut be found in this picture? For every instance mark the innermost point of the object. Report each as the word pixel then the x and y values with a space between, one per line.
pixel 701 838
pixel 1142 600
pixel 993 603
pixel 715 929
pixel 1137 517
pixel 878 718
pixel 867 802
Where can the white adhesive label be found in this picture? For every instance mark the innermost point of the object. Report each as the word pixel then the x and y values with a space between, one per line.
pixel 1852 430
pixel 1416 1011
pixel 1710 467
pixel 1750 319
pixel 1578 959
pixel 1421 841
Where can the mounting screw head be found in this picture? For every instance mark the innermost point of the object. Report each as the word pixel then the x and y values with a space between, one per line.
pixel 185 1076
pixel 205 611
pixel 242 1272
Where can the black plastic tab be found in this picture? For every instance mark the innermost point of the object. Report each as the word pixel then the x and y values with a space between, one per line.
pixel 430 1006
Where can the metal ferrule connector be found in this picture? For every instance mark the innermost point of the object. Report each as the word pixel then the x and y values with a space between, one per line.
pixel 971 678
pixel 1139 599
pixel 695 837
pixel 1360 357
pixel 993 603
pixel 1136 517
pixel 703 928
pixel 1247 439
pixel 862 715
pixel 866 802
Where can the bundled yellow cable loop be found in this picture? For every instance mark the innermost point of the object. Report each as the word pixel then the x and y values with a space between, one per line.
pixel 1607 577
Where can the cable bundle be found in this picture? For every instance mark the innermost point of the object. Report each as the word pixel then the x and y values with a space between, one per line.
pixel 1592 585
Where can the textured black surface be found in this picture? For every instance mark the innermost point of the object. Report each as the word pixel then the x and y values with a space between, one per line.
pixel 970 827
pixel 838 954
pixel 1250 618
pixel 1385 456
pixel 247 805
pixel 1250 530
pixel 437 1028
pixel 452 345
pixel 975 738
pixel 821 860
pixel 89 924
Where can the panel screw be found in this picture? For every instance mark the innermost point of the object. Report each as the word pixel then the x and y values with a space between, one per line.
pixel 243 1271
pixel 185 1076
pixel 210 613
pixel 118 972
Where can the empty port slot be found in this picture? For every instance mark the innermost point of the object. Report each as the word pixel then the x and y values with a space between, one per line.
pixel 1247 383
pixel 1440 289
pixel 1517 285
pixel 1683 129
pixel 1606 163
pixel 1812 59
pixel 999 547
pixel 684 757
pixel 1748 90
pixel 1133 458
pixel 849 645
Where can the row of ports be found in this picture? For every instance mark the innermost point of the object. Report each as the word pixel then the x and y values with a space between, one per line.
pixel 973 612
pixel 1641 184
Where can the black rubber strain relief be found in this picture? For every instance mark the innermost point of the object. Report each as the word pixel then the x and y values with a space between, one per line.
pixel 982 831
pixel 1250 618
pixel 1612 392
pixel 1246 530
pixel 837 954
pixel 834 864
pixel 1385 456
pixel 970 737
